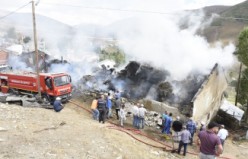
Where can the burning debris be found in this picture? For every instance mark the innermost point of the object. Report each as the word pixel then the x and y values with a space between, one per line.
pixel 138 81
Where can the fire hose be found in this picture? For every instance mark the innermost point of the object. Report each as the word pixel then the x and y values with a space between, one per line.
pixel 118 128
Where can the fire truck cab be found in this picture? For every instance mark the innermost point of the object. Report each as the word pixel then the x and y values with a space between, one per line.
pixel 51 85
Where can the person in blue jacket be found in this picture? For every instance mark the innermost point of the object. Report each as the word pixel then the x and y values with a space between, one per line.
pixel 109 106
pixel 168 123
pixel 57 105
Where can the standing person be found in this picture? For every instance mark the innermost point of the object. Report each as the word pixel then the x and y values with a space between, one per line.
pixel 191 126
pixel 177 126
pixel 210 144
pixel 203 126
pixel 135 115
pixel 94 109
pixel 109 106
pixel 117 107
pixel 168 123
pixel 185 139
pixel 223 133
pixel 57 105
pixel 122 114
pixel 164 116
pixel 142 112
pixel 117 95
pixel 101 106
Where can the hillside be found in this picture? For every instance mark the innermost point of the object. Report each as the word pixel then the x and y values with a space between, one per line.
pixel 237 11
pixel 214 9
pixel 42 133
pixel 226 29
pixel 23 22
pixel 71 133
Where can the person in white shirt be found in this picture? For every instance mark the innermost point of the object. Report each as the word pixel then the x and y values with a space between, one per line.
pixel 142 112
pixel 223 133
pixel 136 115
pixel 122 115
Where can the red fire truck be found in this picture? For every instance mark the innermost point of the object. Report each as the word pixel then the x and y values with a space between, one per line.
pixel 51 85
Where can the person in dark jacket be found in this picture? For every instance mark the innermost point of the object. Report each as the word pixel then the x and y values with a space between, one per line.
pixel 101 106
pixel 117 107
pixel 57 105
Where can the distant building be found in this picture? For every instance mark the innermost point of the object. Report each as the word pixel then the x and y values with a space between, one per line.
pixel 3 57
pixel 30 59
pixel 15 49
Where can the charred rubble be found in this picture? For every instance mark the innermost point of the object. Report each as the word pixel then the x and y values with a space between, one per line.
pixel 137 81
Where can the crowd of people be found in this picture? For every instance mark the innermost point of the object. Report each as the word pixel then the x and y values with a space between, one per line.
pixel 139 115
pixel 211 137
pixel 102 109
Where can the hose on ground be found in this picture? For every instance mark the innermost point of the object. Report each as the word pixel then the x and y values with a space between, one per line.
pixel 117 127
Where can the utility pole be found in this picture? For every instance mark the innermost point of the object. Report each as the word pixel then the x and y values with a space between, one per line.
pixel 238 85
pixel 36 51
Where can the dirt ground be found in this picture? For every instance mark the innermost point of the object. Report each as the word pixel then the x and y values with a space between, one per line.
pixel 42 133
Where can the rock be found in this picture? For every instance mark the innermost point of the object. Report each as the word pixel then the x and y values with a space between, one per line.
pixel 155 152
pixel 3 99
pixel 119 157
pixel 1 140
pixel 3 129
pixel 236 137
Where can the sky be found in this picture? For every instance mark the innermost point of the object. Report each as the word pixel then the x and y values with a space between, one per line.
pixel 74 12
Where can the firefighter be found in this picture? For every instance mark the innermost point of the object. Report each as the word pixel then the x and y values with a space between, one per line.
pixel 57 105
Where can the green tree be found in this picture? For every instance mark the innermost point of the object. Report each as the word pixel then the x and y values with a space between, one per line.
pixel 242 47
pixel 242 53
pixel 113 53
pixel 243 95
pixel 26 39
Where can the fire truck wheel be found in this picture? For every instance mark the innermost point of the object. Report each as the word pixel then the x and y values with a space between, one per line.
pixel 12 91
pixel 46 98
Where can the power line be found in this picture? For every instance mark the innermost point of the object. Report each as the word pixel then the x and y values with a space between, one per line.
pixel 14 11
pixel 113 9
pixel 136 11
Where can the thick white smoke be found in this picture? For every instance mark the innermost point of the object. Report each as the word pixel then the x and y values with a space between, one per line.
pixel 152 37
pixel 160 41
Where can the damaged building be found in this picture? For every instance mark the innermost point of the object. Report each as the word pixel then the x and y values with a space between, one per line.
pixel 197 95
pixel 26 60
pixel 208 99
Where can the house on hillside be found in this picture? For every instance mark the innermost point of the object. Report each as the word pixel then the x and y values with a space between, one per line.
pixel 209 98
pixel 30 59
pixel 205 103
pixel 3 57
pixel 45 60
pixel 15 49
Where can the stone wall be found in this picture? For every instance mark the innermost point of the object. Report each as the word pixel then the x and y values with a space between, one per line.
pixel 161 107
